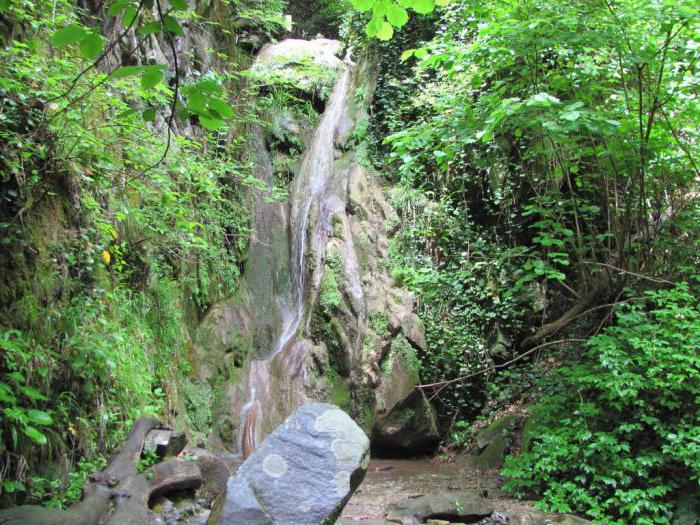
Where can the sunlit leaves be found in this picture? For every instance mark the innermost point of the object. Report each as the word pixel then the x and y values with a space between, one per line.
pixel 69 35
pixel 91 46
pixel 205 100
pixel 90 43
pixel 172 26
pixel 390 14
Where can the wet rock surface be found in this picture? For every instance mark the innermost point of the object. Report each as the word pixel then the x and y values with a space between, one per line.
pixel 302 473
pixel 446 505
pixel 389 482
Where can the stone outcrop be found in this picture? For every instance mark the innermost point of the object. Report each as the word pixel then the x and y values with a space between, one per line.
pixel 358 342
pixel 448 505
pixel 304 472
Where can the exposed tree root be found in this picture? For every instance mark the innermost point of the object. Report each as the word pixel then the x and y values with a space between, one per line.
pixel 120 483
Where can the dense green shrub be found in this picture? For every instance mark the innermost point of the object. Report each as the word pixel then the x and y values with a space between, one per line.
pixel 621 434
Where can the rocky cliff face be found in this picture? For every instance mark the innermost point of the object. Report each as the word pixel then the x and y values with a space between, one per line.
pixel 356 340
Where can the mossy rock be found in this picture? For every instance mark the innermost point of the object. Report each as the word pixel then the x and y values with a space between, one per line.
pixel 499 428
pixel 688 507
pixel 528 433
pixel 494 442
pixel 493 456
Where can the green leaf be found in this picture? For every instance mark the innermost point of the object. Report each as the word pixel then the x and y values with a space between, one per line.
pixel 172 26
pixel 374 26
pixel 32 393
pixel 363 5
pixel 127 71
pixel 407 54
pixel 151 79
pixel 180 5
pixel 91 46
pixel 118 6
pixel 385 31
pixel 129 15
pixel 39 417
pixel 196 102
pixel 423 6
pixel 149 28
pixel 222 107
pixel 36 436
pixel 209 86
pixel 149 115
pixel 397 15
pixel 69 35
pixel 210 123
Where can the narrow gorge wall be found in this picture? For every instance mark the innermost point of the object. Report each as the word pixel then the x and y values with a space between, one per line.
pixel 319 317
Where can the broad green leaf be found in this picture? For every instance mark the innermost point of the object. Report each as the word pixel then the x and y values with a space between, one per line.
pixel 127 71
pixel 181 5
pixel 149 115
pixel 149 28
pixel 129 15
pixel 423 6
pixel 91 46
pixel 208 86
pixel 374 26
pixel 196 102
pixel 69 35
pixel 363 5
pixel 385 31
pixel 210 123
pixel 172 26
pixel 151 79
pixel 118 6
pixel 421 52
pixel 39 417
pixel 32 393
pixel 222 107
pixel 36 436
pixel 397 15
pixel 407 54
pixel 442 3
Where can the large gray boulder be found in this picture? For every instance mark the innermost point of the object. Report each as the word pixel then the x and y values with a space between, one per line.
pixel 303 473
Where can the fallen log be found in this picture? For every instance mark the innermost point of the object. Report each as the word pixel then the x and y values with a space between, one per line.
pixel 121 483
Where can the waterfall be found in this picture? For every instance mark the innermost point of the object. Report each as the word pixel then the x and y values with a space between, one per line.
pixel 307 190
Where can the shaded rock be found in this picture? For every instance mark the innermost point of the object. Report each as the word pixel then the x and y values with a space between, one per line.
pixel 495 430
pixel 156 441
pixel 494 442
pixel 534 517
pixel 445 505
pixel 688 507
pixel 311 65
pixel 215 474
pixel 303 473
pixel 409 429
pixel 176 444
pixel 528 432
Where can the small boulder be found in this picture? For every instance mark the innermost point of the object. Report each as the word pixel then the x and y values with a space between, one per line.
pixel 447 505
pixel 494 442
pixel 303 473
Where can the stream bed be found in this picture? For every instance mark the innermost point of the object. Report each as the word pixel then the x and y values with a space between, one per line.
pixel 390 481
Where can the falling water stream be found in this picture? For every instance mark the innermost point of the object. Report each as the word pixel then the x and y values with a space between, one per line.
pixel 308 189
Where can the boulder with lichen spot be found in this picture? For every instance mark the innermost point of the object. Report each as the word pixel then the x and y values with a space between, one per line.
pixel 304 472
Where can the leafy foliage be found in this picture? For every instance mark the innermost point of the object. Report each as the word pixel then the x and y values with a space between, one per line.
pixel 621 434
pixel 111 249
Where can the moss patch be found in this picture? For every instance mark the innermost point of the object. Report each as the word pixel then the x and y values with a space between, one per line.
pixel 329 294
